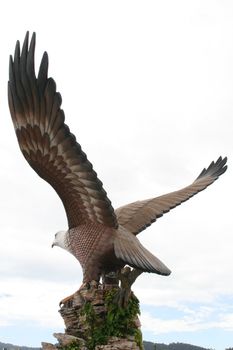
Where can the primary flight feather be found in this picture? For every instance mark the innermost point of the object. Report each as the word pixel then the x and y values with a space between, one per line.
pixel 103 240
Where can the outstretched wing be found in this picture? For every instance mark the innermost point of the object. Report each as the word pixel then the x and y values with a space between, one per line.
pixel 137 216
pixel 47 143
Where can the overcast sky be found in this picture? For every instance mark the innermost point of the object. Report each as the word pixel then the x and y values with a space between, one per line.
pixel 147 89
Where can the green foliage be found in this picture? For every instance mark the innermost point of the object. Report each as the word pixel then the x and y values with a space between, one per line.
pixel 118 321
pixel 138 338
pixel 96 334
pixel 72 346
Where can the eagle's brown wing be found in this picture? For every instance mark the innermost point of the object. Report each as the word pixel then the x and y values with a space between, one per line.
pixel 136 216
pixel 47 143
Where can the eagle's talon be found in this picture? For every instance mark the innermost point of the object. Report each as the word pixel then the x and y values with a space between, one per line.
pixel 67 301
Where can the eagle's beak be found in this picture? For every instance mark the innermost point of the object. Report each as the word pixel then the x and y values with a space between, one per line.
pixel 52 245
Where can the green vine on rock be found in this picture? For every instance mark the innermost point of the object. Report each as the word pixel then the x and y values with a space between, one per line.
pixel 95 332
pixel 72 346
pixel 138 338
pixel 118 321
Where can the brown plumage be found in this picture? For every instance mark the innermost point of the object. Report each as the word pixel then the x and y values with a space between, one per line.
pixel 101 239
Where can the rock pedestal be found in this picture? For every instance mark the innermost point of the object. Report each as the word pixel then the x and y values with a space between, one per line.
pixel 95 321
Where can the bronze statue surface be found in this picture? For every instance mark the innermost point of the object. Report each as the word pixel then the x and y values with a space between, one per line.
pixel 103 240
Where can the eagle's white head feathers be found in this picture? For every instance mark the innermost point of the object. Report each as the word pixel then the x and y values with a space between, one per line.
pixel 60 240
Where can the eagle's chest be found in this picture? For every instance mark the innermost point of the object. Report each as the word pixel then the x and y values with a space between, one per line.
pixel 91 241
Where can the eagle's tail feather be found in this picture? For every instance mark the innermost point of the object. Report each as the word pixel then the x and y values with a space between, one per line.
pixel 128 248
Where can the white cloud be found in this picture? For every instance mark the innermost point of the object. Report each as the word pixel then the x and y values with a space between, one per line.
pixel 226 322
pixel 33 300
pixel 158 326
pixel 196 319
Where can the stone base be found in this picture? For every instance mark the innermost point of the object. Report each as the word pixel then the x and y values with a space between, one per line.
pixel 114 343
pixel 94 321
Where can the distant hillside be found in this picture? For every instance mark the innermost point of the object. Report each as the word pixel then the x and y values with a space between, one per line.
pixel 172 346
pixel 147 346
pixel 15 347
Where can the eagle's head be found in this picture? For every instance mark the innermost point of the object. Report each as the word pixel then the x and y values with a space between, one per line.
pixel 60 239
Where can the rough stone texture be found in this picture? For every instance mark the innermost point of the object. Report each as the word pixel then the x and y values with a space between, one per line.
pixel 48 346
pixel 66 339
pixel 115 343
pixel 75 321
pixel 78 328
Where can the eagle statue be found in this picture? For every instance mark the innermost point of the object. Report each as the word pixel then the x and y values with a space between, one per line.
pixel 103 240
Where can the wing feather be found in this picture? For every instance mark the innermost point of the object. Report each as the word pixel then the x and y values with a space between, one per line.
pixel 137 216
pixel 128 248
pixel 47 143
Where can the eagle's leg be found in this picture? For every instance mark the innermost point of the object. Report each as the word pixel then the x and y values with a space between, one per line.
pixel 110 280
pixel 85 286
